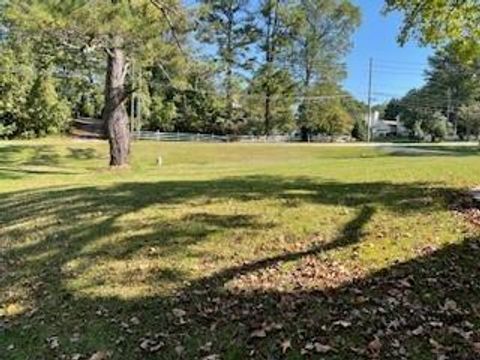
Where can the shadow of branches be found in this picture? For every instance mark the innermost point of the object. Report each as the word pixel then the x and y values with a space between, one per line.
pixel 216 314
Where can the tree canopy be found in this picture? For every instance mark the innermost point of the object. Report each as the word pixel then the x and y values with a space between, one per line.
pixel 227 67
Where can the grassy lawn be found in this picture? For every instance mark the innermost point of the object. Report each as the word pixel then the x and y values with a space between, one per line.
pixel 235 251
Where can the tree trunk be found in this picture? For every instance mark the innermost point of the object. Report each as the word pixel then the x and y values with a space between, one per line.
pixel 267 112
pixel 115 115
pixel 230 61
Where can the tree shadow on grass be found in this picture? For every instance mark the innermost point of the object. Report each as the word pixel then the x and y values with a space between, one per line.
pixel 83 153
pixel 431 151
pixel 224 308
pixel 17 161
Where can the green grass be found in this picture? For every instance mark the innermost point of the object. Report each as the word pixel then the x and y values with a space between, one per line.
pixel 312 244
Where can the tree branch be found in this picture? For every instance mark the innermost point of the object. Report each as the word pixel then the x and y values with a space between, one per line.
pixel 165 14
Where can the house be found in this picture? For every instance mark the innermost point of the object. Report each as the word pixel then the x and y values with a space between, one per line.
pixel 386 128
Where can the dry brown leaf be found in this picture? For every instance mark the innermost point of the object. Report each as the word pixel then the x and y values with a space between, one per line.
pixel 151 345
pixel 321 348
pixel 285 345
pixel 53 342
pixel 100 355
pixel 375 346
pixel 260 333
pixel 212 357
pixel 343 323
pixel 179 312
pixel 179 349
pixel 418 331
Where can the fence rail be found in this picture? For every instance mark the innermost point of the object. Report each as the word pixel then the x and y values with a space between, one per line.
pixel 179 136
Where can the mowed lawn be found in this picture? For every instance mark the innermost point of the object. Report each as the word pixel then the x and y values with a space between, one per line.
pixel 237 251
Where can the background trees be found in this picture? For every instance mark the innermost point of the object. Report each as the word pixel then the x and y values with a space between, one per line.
pixel 450 85
pixel 235 67
pixel 229 26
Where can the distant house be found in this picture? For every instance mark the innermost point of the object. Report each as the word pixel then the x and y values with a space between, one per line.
pixel 386 128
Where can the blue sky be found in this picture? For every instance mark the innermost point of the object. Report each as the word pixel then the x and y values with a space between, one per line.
pixel 396 69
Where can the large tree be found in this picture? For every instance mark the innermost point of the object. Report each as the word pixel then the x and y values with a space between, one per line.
pixel 122 29
pixel 229 26
pixel 322 39
pixel 277 26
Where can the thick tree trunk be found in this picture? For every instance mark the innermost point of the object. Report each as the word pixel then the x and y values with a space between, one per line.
pixel 114 114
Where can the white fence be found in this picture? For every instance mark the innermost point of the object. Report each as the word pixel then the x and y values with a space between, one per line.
pixel 179 136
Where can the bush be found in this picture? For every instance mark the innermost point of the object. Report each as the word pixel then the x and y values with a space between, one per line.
pixel 7 130
pixel 45 113
pixel 360 130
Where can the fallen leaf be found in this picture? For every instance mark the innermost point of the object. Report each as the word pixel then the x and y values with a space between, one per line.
pixel 342 323
pixel 375 346
pixel 179 312
pixel 260 333
pixel 212 357
pixel 152 346
pixel 450 305
pixel 53 342
pixel 135 320
pixel 100 355
pixel 285 345
pixel 418 331
pixel 207 347
pixel 321 348
pixel 309 346
pixel 179 349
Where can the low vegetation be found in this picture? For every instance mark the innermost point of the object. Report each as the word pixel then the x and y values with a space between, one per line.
pixel 231 251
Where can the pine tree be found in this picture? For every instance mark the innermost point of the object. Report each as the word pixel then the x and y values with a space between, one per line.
pixel 278 21
pixel 122 29
pixel 322 39
pixel 44 113
pixel 229 26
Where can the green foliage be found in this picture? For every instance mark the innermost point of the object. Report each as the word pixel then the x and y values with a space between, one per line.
pixel 327 116
pixel 162 115
pixel 45 113
pixel 280 87
pixel 441 22
pixel 436 126
pixel 254 45
pixel 7 130
pixel 229 26
pixel 360 130
pixel 322 36
pixel 392 109
pixel 16 79
pixel 469 120
pixel 451 84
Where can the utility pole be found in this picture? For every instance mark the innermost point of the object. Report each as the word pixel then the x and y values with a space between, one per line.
pixel 139 99
pixel 369 125
pixel 132 101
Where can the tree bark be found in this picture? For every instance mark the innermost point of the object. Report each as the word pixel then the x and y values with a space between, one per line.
pixel 115 115
pixel 230 60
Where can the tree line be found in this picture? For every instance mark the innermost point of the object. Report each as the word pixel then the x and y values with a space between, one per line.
pixel 449 102
pixel 220 66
